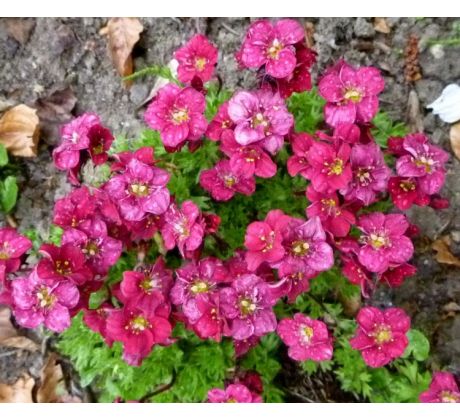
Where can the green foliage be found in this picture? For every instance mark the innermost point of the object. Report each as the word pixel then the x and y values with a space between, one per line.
pixel 385 127
pixel 155 70
pixel 307 108
pixel 8 184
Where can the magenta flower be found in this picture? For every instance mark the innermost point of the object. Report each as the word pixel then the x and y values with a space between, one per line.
pixel 43 301
pixel 293 281
pixel 183 227
pixel 335 218
pixel 141 189
pixel 305 244
pixel 223 182
pixel 249 160
pixel 358 275
pixel 298 164
pixel 272 46
pixel 74 208
pixel 139 330
pixel 220 124
pixel 65 263
pixel 197 58
pixel 423 161
pixel 145 229
pixel 260 116
pixel 370 174
pixel 248 305
pixel 443 389
pixel 263 240
pixel 75 138
pixel 178 115
pixel 209 323
pixel 144 154
pixel 405 192
pixel 196 281
pixel 96 320
pixel 12 247
pixel 351 94
pixel 100 140
pixel 383 241
pixel 100 250
pixel 306 338
pixel 234 393
pixel 330 168
pixel 395 276
pixel 381 335
pixel 147 287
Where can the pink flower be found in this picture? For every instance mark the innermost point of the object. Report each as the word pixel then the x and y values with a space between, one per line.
pixel 294 281
pixel 209 323
pixel 100 140
pixel 235 393
pixel 147 287
pixel 298 164
pixel 74 208
pixel 223 182
pixel 197 281
pixel 249 160
pixel 144 154
pixel 423 161
pixel 335 218
pixel 145 229
pixel 65 263
pixel 383 241
pixel 381 335
pixel 96 320
pixel 272 46
pixel 12 247
pixel 370 174
pixel 178 115
pixel 405 192
pixel 443 389
pixel 43 301
pixel 141 189
pixel 260 116
pixel 74 139
pixel 263 240
pixel 197 58
pixel 220 124
pixel 358 275
pixel 395 276
pixel 305 244
pixel 329 166
pixel 351 94
pixel 306 338
pixel 183 227
pixel 248 305
pixel 243 346
pixel 101 251
pixel 139 330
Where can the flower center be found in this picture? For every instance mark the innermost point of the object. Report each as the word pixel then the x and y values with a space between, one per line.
pixel 300 248
pixel 364 176
pixel 274 50
pixel 247 306
pixel 353 94
pixel 449 397
pixel 74 138
pixel 182 229
pixel 426 162
pixel 268 241
pixel 200 63
pixel 139 324
pixel 336 167
pixel 382 335
pixel 63 267
pixel 258 120
pixel 407 186
pixel 179 116
pixel 139 190
pixel 45 298
pixel 4 255
pixel 148 284
pixel 199 286
pixel 378 240
pixel 98 148
pixel 306 333
pixel 231 400
pixel 91 249
pixel 229 181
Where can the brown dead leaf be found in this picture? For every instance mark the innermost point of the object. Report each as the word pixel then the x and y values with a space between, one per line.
pixel 381 25
pixel 20 29
pixel 455 139
pixel 53 111
pixel 443 253
pixel 6 328
pixel 309 34
pixel 122 34
pixel 412 71
pixel 19 392
pixel 19 131
pixel 51 382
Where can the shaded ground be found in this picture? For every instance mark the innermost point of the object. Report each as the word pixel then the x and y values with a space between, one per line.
pixel 53 54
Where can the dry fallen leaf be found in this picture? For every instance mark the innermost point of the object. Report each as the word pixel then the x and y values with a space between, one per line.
pixel 6 328
pixel 19 131
pixel 20 29
pixel 443 253
pixel 455 139
pixel 381 25
pixel 19 392
pixel 123 34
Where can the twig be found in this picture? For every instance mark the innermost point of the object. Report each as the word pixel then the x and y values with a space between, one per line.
pixel 230 29
pixel 160 389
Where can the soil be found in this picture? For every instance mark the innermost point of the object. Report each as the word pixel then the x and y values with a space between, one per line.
pixel 39 57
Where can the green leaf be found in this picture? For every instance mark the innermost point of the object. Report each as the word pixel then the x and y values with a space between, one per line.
pixel 3 155
pixel 8 193
pixel 419 346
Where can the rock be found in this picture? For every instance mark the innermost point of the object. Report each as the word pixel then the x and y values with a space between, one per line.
pixel 363 28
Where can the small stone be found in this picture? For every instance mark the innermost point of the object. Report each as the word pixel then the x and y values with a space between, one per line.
pixel 455 235
pixel 138 93
pixel 437 51
pixel 363 28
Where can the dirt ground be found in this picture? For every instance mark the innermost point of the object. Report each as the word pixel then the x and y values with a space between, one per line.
pixel 43 56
